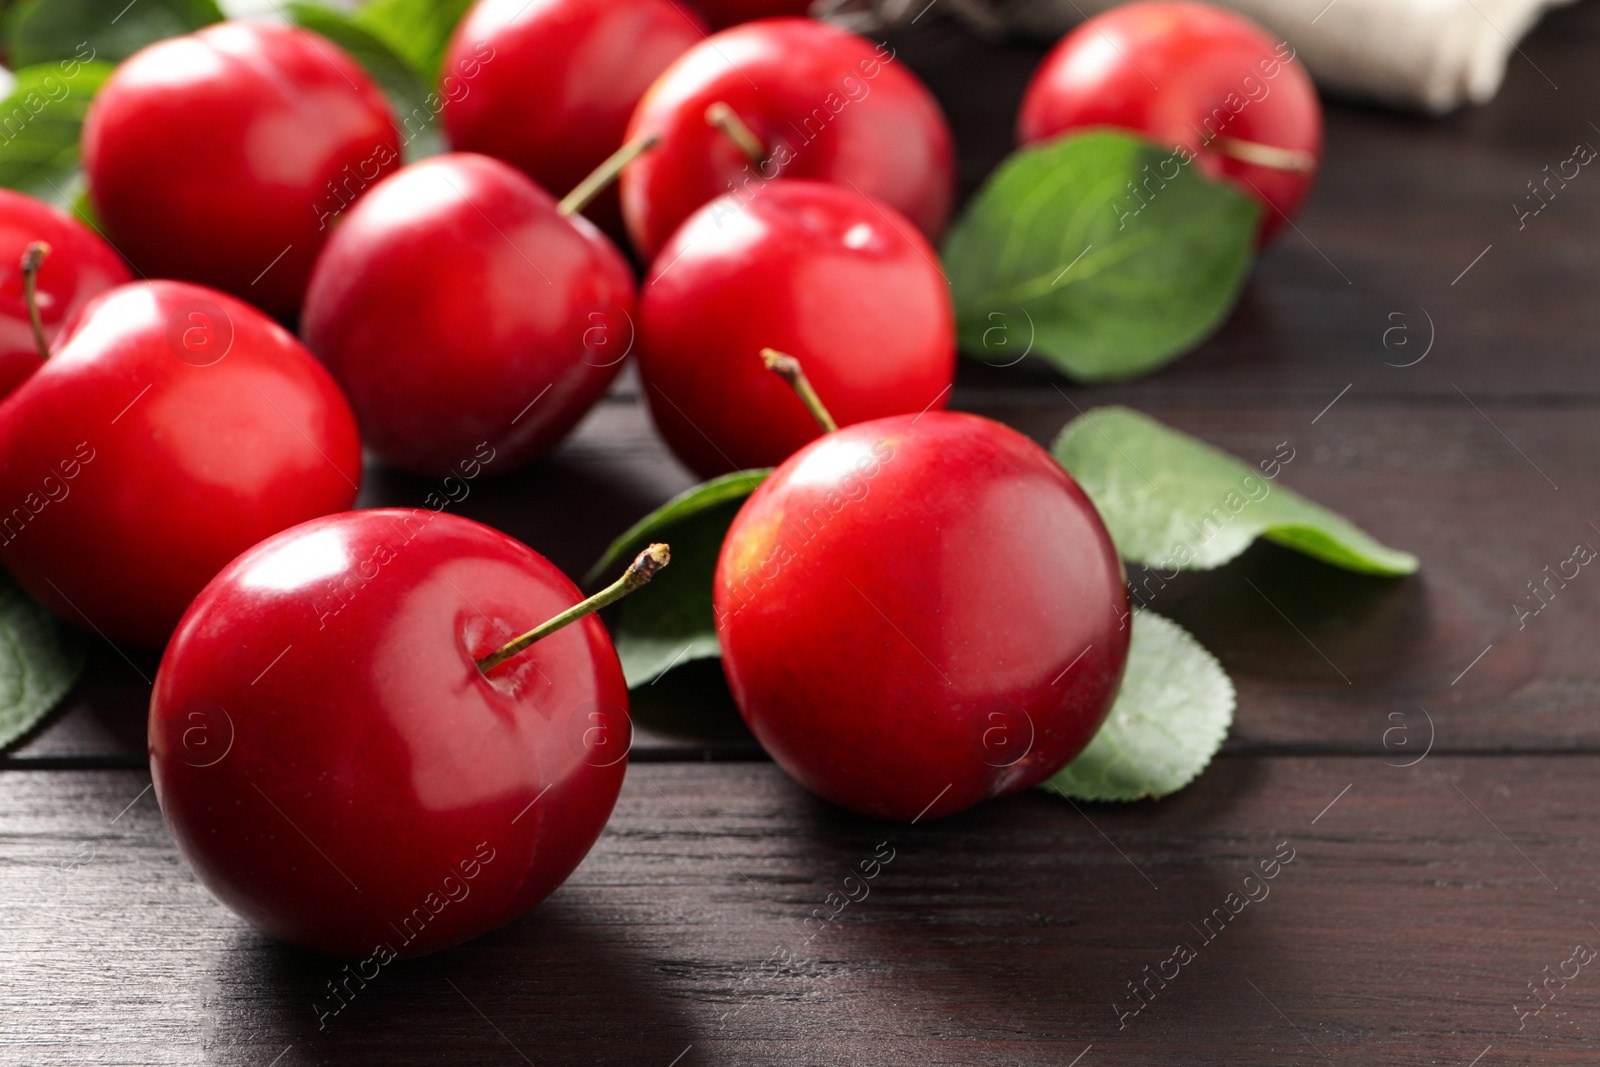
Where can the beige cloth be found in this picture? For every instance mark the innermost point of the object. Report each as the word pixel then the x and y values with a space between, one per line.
pixel 1429 55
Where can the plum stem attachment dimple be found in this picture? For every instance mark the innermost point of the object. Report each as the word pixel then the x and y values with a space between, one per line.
pixel 728 121
pixel 32 260
pixel 585 191
pixel 1293 160
pixel 644 567
pixel 787 367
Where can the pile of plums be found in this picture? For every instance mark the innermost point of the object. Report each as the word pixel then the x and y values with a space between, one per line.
pixel 352 745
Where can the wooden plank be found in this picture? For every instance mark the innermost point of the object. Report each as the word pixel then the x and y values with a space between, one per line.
pixel 1418 905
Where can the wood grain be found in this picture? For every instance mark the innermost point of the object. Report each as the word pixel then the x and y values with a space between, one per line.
pixel 1404 930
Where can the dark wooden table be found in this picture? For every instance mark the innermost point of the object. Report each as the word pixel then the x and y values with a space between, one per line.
pixel 1432 766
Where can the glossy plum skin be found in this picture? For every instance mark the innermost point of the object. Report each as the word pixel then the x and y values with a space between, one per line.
pixel 587 63
pixel 338 771
pixel 80 266
pixel 826 103
pixel 456 307
pixel 1219 75
pixel 212 155
pixel 919 613
pixel 172 428
pixel 816 270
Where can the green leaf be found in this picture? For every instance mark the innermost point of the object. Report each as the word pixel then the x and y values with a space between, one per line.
pixel 39 31
pixel 1056 255
pixel 39 126
pixel 401 82
pixel 690 502
pixel 671 620
pixel 416 30
pixel 647 656
pixel 1171 716
pixel 41 658
pixel 83 210
pixel 1171 501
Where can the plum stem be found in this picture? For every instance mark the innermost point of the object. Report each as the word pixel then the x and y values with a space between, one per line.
pixel 32 260
pixel 643 568
pixel 787 367
pixel 1293 160
pixel 728 121
pixel 585 191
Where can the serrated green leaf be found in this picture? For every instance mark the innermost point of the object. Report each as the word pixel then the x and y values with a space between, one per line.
pixel 1170 717
pixel 407 92
pixel 41 658
pixel 690 502
pixel 1058 256
pixel 416 30
pixel 39 125
pixel 671 620
pixel 1172 501
pixel 40 31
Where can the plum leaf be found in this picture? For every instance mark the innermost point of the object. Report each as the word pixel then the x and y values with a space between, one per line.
pixel 42 31
pixel 671 620
pixel 41 658
pixel 418 31
pixel 415 120
pixel 1101 252
pixel 1172 501
pixel 1169 719
pixel 40 120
